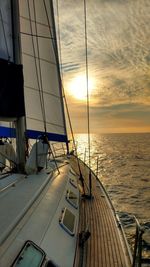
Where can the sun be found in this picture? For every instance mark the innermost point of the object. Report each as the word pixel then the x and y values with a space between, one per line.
pixel 78 87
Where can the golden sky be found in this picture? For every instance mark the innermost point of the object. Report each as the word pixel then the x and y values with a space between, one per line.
pixel 118 35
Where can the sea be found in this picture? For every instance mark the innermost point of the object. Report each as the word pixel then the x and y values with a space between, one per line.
pixel 122 163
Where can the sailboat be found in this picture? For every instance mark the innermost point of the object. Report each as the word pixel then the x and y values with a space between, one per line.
pixel 48 216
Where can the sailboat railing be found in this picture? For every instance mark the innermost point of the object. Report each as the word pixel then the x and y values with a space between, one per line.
pixel 137 254
pixel 58 150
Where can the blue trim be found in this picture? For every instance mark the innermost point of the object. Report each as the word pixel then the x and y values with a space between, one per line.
pixel 11 132
pixel 51 136
pixel 7 132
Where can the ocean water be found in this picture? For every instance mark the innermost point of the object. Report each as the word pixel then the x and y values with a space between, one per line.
pixel 122 163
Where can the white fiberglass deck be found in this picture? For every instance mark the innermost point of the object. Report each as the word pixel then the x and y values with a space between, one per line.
pixel 31 211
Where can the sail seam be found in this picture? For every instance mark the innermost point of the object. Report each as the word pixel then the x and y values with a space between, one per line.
pixel 35 89
pixel 34 21
pixel 54 124
pixel 36 35
pixel 42 59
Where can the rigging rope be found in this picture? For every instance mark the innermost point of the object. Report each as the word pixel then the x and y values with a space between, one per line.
pixel 63 90
pixel 51 35
pixel 61 72
pixel 35 35
pixel 88 100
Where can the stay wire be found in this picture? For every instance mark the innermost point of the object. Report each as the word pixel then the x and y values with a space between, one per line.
pixel 65 100
pixel 88 99
pixel 50 30
pixel 62 78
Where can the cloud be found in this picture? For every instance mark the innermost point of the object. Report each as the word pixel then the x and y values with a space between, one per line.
pixel 118 52
pixel 69 67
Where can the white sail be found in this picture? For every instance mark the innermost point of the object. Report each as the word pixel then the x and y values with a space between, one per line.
pixel 6 35
pixel 43 97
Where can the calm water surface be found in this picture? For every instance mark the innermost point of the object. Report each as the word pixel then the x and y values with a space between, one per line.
pixel 124 169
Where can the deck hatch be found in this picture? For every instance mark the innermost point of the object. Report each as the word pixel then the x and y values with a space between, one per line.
pixel 30 255
pixel 72 198
pixel 67 221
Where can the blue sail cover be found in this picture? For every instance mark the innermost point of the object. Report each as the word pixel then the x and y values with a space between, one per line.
pixel 11 90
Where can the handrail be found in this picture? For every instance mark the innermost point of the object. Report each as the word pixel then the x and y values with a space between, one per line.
pixel 137 255
pixel 55 149
pixel 97 169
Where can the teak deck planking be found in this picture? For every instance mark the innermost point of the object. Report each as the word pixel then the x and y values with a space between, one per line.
pixel 105 247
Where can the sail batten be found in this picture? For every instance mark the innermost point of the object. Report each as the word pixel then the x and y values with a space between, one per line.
pixel 48 93
pixel 56 125
pixel 44 60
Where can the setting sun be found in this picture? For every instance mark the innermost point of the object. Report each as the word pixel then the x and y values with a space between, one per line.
pixel 78 87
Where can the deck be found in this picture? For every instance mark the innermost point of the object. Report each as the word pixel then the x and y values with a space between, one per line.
pixel 31 210
pixel 105 246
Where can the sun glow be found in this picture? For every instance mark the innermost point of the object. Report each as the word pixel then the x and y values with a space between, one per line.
pixel 78 87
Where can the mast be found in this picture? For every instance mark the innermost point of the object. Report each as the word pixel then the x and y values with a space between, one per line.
pixel 20 122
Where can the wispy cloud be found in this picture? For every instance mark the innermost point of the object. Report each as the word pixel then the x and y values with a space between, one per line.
pixel 118 50
pixel 70 67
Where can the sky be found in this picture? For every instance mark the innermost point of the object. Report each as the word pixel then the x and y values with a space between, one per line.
pixel 118 46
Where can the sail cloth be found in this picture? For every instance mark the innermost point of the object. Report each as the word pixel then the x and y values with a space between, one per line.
pixel 6 32
pixel 42 87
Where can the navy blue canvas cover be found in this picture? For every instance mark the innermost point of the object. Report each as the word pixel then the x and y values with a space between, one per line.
pixel 11 90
